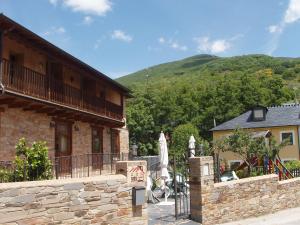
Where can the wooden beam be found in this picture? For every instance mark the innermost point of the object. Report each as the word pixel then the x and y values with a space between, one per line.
pixel 18 104
pixel 57 113
pixel 33 107
pixel 5 101
pixel 45 110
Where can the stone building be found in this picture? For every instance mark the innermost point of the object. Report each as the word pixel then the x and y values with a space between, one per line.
pixel 49 95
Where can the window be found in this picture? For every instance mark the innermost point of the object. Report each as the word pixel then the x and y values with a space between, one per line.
pixel 288 137
pixel 258 114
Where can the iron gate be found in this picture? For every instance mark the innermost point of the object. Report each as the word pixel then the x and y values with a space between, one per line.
pixel 181 187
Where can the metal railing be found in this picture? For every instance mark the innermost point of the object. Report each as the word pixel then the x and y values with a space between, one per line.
pixel 86 165
pixel 74 166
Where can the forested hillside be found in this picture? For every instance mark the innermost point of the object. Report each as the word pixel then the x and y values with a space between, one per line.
pixel 202 88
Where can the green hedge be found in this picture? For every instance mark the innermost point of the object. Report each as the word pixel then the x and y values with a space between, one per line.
pixel 291 165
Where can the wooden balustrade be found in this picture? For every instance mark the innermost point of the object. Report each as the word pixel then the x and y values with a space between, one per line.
pixel 26 81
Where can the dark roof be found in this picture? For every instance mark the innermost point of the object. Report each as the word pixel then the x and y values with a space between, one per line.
pixel 277 116
pixel 9 25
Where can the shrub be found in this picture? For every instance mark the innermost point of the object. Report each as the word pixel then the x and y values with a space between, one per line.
pixel 242 174
pixel 5 175
pixel 32 163
pixel 291 165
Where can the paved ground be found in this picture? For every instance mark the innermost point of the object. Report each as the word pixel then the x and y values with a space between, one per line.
pixel 285 217
pixel 164 215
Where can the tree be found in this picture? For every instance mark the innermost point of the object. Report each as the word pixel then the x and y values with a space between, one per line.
pixel 272 150
pixel 246 147
pixel 180 140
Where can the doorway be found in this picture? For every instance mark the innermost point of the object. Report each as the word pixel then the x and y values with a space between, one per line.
pixel 63 148
pixel 97 148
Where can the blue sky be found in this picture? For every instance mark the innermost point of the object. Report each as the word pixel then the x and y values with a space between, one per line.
pixel 122 36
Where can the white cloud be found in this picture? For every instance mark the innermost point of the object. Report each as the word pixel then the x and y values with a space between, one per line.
pixel 161 40
pixel 87 20
pixel 94 7
pixel 176 46
pixel 121 36
pixel 172 44
pixel 292 14
pixel 53 2
pixel 275 29
pixel 54 30
pixel 205 45
pixel 97 44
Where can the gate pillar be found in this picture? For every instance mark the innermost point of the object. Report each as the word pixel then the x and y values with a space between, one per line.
pixel 201 182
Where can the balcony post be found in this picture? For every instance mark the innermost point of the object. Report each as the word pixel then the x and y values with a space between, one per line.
pixel 81 92
pixel 1 44
pixel 1 62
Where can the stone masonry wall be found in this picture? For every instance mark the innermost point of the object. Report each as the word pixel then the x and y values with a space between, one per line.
pixel 235 200
pixel 124 140
pixel 95 200
pixel 17 123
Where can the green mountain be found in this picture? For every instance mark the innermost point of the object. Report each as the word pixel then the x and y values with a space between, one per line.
pixel 199 91
pixel 208 66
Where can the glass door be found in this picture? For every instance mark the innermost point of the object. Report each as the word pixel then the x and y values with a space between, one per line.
pixel 97 147
pixel 63 147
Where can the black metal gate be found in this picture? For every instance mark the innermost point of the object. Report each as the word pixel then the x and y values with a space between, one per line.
pixel 181 187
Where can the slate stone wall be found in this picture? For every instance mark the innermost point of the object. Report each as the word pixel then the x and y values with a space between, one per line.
pixel 235 200
pixel 93 200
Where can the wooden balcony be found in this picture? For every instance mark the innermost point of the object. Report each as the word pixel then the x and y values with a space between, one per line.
pixel 25 81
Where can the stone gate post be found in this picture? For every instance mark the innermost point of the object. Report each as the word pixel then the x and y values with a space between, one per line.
pixel 201 182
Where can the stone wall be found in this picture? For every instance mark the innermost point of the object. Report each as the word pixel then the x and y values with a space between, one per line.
pixel 17 123
pixel 94 200
pixel 235 200
pixel 124 140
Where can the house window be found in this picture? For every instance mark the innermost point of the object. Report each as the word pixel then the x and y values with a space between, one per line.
pixel 258 114
pixel 288 137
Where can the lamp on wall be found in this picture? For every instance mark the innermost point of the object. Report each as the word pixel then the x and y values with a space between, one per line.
pixel 134 149
pixel 52 124
pixel 76 128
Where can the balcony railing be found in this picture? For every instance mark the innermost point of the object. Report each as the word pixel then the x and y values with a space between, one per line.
pixel 28 82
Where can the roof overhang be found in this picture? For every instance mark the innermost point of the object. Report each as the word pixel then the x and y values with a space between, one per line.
pixel 7 25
